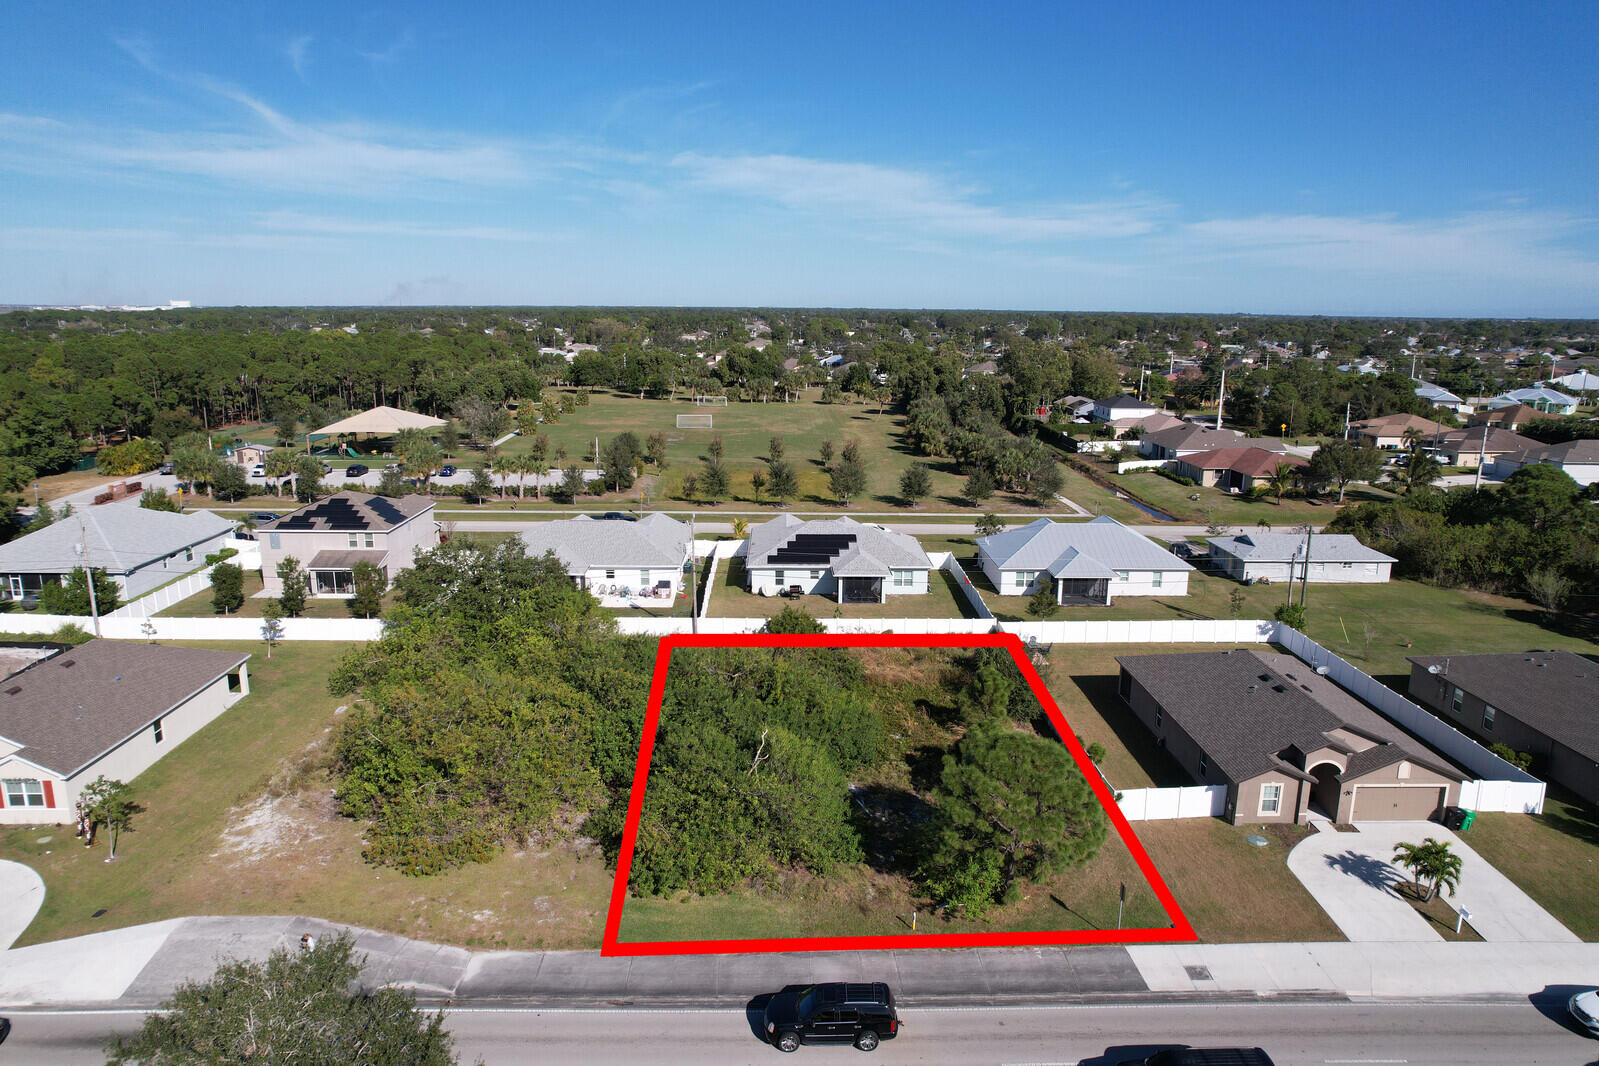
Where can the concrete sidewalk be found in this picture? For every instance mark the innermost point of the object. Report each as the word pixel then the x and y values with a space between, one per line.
pixel 21 896
pixel 140 966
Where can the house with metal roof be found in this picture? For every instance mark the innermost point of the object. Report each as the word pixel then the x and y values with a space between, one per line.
pixel 1287 743
pixel 1084 563
pixel 616 558
pixel 138 548
pixel 329 537
pixel 1579 458
pixel 1112 408
pixel 850 561
pixel 1323 558
pixel 1541 397
pixel 1441 397
pixel 1545 703
pixel 104 707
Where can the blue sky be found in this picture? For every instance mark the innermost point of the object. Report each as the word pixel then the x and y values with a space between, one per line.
pixel 1339 158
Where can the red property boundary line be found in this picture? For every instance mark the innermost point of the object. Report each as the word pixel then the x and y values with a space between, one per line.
pixel 1180 929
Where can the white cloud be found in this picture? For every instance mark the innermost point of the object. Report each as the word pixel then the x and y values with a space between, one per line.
pixel 323 225
pixel 869 191
pixel 298 53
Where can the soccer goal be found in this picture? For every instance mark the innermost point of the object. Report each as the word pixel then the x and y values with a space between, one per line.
pixel 693 421
pixel 710 401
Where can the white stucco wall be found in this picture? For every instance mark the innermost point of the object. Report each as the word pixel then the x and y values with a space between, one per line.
pixel 402 543
pixel 1138 582
pixel 633 577
pixel 129 759
pixel 823 583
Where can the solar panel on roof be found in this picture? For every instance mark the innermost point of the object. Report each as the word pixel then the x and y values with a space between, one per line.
pixel 385 510
pixel 812 548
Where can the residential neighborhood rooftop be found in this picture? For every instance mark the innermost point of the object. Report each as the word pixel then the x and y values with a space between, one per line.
pixel 1253 460
pixel 118 537
pixel 1283 547
pixel 1555 692
pixel 584 543
pixel 1044 545
pixel 69 710
pixel 351 511
pixel 854 549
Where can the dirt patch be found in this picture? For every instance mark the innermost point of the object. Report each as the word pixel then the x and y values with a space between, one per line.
pixel 277 827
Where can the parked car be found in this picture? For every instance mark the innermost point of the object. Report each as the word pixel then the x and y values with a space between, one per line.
pixel 447 470
pixel 258 470
pixel 834 1013
pixel 166 467
pixel 1584 1008
pixel 1204 1056
pixel 354 470
pixel 617 516
pixel 262 516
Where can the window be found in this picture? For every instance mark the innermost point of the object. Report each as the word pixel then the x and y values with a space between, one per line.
pixel 1488 716
pixel 355 540
pixel 1271 798
pixel 273 541
pixel 610 575
pixel 188 555
pixel 1203 766
pixel 904 579
pixel 156 729
pixel 1459 698
pixel 1025 578
pixel 1122 575
pixel 15 581
pixel 816 575
pixel 369 540
pixel 643 579
pixel 1160 716
pixel 1156 577
pixel 777 576
pixel 1349 566
pixel 24 792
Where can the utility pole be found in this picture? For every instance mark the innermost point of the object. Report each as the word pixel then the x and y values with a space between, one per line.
pixel 693 582
pixel 1304 578
pixel 82 548
pixel 1482 452
pixel 1346 420
pixel 1221 395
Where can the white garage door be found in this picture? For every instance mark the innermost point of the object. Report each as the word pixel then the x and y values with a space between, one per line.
pixel 1396 803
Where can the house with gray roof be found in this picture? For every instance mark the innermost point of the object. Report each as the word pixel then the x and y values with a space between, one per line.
pixel 1544 703
pixel 1186 438
pixel 1324 558
pixel 1083 562
pixel 104 707
pixel 616 558
pixel 1112 408
pixel 849 561
pixel 138 548
pixel 1541 397
pixel 1441 397
pixel 331 536
pixel 1287 743
pixel 1579 458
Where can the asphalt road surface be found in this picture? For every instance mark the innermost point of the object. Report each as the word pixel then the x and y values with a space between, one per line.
pixel 1493 1033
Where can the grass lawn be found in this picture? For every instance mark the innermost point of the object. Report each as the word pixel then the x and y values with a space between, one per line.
pixel 239 820
pixel 1232 891
pixel 730 600
pixel 746 430
pixel 1437 912
pixel 1553 857
pixel 53 487
pixel 199 605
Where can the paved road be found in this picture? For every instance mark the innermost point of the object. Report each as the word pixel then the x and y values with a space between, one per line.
pixel 1296 1034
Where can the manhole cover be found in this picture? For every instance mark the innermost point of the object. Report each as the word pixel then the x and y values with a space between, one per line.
pixel 1199 973
pixel 1257 840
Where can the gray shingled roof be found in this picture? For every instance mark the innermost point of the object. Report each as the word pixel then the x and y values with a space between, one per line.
pixel 880 546
pixel 1045 545
pixel 1189 437
pixel 1554 692
pixel 583 543
pixel 1576 452
pixel 1243 708
pixel 1125 403
pixel 1281 547
pixel 72 709
pixel 120 537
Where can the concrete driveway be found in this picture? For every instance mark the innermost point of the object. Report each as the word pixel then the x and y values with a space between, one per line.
pixel 1352 877
pixel 21 896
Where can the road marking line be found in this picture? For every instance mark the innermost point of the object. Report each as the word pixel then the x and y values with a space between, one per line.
pixel 1366 1060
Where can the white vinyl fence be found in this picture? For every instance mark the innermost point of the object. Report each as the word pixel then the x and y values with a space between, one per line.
pixel 964 583
pixel 160 599
pixel 1160 804
pixel 1500 786
pixel 213 628
pixel 1153 631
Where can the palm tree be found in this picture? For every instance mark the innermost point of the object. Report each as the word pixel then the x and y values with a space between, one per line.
pixel 279 465
pixel 498 465
pixel 522 465
pixel 1431 863
pixel 1281 480
pixel 1412 437
pixel 741 528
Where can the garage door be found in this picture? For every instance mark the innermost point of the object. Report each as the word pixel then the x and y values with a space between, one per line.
pixel 1393 803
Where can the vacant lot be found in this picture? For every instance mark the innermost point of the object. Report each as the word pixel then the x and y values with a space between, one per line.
pixel 240 820
pixel 746 430
pixel 730 600
pixel 1553 856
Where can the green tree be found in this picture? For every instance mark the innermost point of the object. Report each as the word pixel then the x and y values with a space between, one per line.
pixel 1292 614
pixel 1340 462
pixel 1281 480
pixel 227 588
pixel 1041 604
pixel 571 486
pixel 986 696
pixel 915 484
pixel 480 486
pixel 655 450
pixel 73 596
pixel 793 620
pixel 826 452
pixel 988 525
pixel 715 449
pixel 775 448
pixel 847 479
pixel 757 483
pixel 979 487
pixel 1020 796
pixel 785 482
pixel 714 482
pixel 370 585
pixel 158 499
pixel 304 1008
pixel 308 486
pixel 271 624
pixel 279 464
pixel 109 802
pixel 228 483
pixel 293 577
pixel 1431 863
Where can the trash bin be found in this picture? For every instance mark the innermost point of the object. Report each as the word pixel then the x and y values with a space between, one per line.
pixel 1453 817
pixel 1467 820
